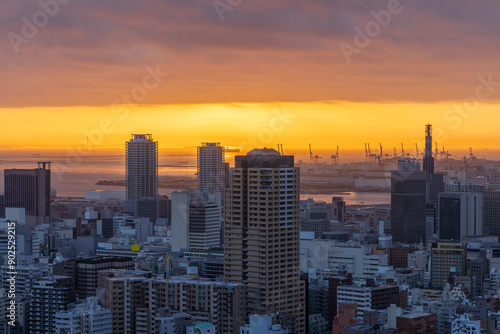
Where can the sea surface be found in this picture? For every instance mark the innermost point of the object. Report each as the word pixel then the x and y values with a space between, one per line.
pixel 73 178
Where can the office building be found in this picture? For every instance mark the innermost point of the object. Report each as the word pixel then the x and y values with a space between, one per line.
pixel 366 297
pixel 88 272
pixel 261 235
pixel 29 189
pixel 457 186
pixel 336 209
pixel 211 167
pixel 491 213
pixel 145 207
pixel 448 260
pixel 141 160
pixel 460 215
pixel 408 206
pixel 107 225
pixel 50 295
pixel 86 317
pixel 196 220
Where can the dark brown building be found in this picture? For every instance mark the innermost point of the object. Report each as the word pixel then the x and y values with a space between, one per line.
pixel 416 323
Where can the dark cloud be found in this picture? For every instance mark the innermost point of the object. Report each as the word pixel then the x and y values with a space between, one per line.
pixel 92 51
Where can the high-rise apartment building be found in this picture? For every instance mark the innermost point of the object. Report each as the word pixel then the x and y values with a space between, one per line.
pixel 211 167
pixel 136 301
pixel 261 234
pixel 447 258
pixel 86 317
pixel 460 215
pixel 141 166
pixel 29 189
pixel 50 295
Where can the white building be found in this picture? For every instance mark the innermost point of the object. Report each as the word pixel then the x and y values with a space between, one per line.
pixel 463 325
pixel 262 324
pixel 355 294
pixel 85 317
pixel 196 220
pixel 140 228
pixel 327 254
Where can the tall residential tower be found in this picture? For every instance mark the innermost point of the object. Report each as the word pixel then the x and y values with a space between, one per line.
pixel 261 235
pixel 211 167
pixel 142 166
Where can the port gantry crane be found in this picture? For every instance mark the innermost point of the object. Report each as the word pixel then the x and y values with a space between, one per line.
pixel 335 157
pixel 312 157
pixel 472 157
pixel 280 151
pixel 369 155
pixel 382 155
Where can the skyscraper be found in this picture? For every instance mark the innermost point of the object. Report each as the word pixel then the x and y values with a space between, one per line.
pixel 460 215
pixel 491 213
pixel 261 235
pixel 435 185
pixel 142 166
pixel 211 167
pixel 428 158
pixel 29 189
pixel 408 206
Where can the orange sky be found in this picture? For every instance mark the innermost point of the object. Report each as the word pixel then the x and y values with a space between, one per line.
pixel 224 76
pixel 246 125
